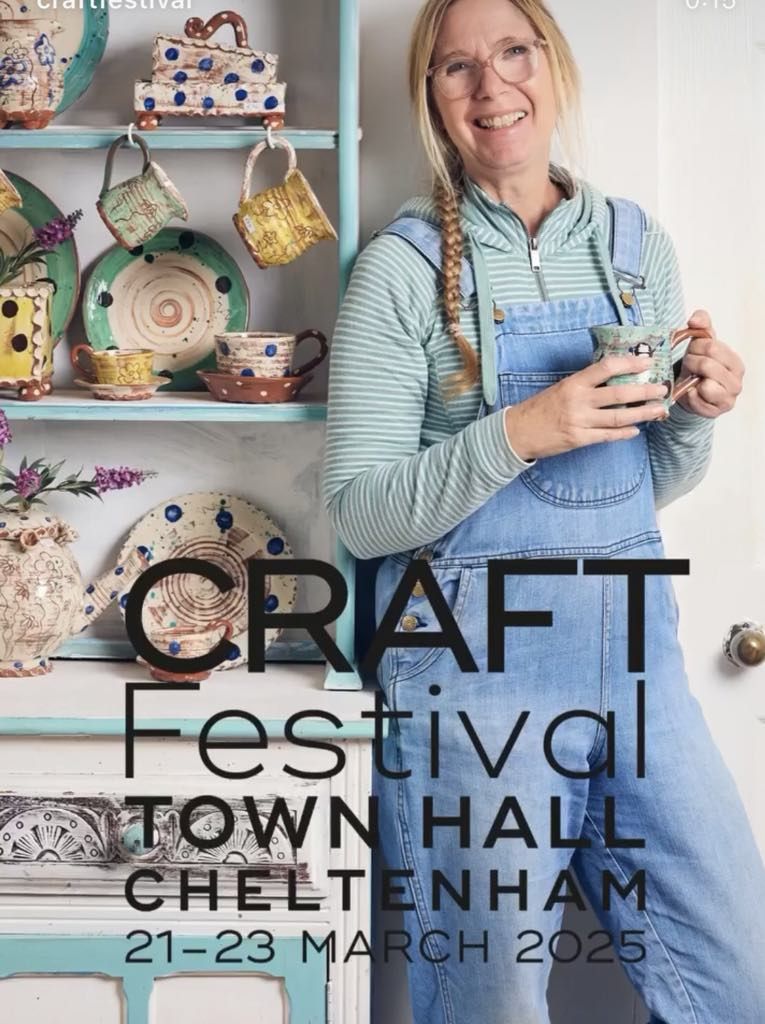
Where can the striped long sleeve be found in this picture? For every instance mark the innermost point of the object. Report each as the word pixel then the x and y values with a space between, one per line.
pixel 383 492
pixel 680 447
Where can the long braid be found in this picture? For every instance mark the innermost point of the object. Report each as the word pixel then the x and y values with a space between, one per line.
pixel 447 201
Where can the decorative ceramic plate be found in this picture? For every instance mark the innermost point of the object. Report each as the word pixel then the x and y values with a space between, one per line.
pixel 227 387
pixel 219 528
pixel 62 265
pixel 122 392
pixel 173 295
pixel 79 45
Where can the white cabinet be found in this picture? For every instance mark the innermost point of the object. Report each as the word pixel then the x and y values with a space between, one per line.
pixel 263 909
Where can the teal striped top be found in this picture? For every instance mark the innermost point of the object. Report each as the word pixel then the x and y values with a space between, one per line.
pixel 401 467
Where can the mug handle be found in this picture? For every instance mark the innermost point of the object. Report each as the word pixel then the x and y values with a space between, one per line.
pixel 278 140
pixel 324 349
pixel 74 357
pixel 118 143
pixel 677 338
pixel 228 629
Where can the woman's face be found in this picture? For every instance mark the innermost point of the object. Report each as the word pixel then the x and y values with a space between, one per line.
pixel 474 28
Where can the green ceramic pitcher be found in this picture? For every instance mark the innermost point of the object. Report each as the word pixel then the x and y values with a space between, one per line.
pixel 136 209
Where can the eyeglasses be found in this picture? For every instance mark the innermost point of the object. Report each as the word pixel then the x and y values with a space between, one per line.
pixel 514 61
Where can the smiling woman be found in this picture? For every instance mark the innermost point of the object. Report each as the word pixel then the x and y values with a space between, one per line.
pixel 468 422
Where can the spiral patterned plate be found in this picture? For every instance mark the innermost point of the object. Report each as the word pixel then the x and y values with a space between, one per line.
pixel 219 528
pixel 173 295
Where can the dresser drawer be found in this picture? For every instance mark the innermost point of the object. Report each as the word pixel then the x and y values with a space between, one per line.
pixel 96 841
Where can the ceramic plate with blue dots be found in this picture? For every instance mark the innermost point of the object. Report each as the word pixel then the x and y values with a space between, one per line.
pixel 219 528
pixel 172 295
pixel 79 42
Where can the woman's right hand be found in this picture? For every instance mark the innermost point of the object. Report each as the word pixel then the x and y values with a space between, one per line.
pixel 570 413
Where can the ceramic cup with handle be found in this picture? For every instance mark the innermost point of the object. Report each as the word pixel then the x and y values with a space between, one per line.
pixel 135 210
pixel 114 366
pixel 284 221
pixel 186 642
pixel 665 345
pixel 265 353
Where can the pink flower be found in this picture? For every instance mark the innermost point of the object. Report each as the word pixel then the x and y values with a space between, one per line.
pixel 115 479
pixel 28 482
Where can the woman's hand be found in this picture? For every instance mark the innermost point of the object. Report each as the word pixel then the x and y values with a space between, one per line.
pixel 572 414
pixel 720 368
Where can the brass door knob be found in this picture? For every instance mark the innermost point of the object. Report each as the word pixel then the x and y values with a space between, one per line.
pixel 744 644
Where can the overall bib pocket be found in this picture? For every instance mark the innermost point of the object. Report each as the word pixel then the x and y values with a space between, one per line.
pixel 419 616
pixel 598 474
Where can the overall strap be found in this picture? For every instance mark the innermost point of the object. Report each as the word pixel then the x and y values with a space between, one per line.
pixel 627 226
pixel 426 238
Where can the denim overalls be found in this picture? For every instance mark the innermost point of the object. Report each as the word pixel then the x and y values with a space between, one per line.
pixel 701 927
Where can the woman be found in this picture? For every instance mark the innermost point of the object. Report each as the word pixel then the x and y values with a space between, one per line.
pixel 467 424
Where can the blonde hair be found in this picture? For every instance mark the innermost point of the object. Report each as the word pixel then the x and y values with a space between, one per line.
pixel 444 159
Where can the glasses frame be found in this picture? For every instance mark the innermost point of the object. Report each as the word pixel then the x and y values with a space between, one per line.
pixel 537 43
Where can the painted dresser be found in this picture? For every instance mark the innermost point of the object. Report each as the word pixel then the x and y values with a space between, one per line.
pixel 71 945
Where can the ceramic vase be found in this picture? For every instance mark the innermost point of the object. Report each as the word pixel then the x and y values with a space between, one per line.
pixel 42 598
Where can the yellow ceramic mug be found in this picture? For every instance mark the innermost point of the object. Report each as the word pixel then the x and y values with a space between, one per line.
pixel 115 366
pixel 280 224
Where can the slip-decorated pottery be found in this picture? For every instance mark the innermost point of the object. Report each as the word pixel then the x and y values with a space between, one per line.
pixel 134 210
pixel 26 345
pixel 228 388
pixel 284 221
pixel 122 392
pixel 42 598
pixel 219 528
pixel 31 80
pixel 80 42
pixel 61 265
pixel 171 295
pixel 195 77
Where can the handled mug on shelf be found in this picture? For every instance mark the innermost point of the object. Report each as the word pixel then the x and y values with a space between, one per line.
pixel 666 347
pixel 265 353
pixel 114 366
pixel 136 209
pixel 281 223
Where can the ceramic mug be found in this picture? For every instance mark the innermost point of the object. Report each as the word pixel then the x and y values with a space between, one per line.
pixel 281 223
pixel 265 353
pixel 666 347
pixel 115 366
pixel 185 642
pixel 136 209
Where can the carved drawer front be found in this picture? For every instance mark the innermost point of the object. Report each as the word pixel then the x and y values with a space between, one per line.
pixel 97 838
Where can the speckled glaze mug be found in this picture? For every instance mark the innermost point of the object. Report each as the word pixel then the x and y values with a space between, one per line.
pixel 665 345
pixel 265 353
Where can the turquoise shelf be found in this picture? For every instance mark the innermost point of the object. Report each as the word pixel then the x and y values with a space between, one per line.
pixel 85 137
pixel 175 407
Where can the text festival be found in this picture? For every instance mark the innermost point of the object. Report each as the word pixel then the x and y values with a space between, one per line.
pixel 144 887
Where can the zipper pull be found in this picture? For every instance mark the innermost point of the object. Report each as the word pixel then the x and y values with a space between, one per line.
pixel 536 263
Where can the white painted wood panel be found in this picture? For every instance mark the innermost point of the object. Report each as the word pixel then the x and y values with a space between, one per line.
pixel 28 999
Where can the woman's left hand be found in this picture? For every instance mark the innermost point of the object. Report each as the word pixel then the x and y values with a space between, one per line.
pixel 719 367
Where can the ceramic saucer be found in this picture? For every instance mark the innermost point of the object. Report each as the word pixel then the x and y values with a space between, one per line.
pixel 123 392
pixel 227 387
